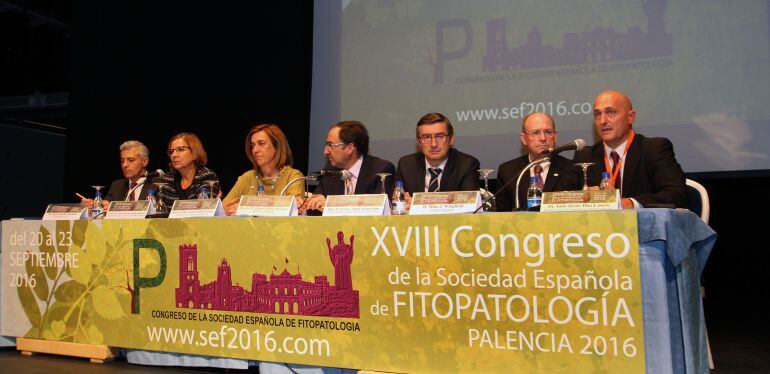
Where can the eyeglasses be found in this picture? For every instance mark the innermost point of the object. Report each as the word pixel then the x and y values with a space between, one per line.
pixel 179 149
pixel 547 133
pixel 440 138
pixel 333 145
pixel 610 113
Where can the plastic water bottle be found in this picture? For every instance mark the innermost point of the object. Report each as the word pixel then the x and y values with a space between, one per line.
pixel 152 200
pixel 203 193
pixel 606 183
pixel 534 193
pixel 261 190
pixel 398 202
pixel 96 209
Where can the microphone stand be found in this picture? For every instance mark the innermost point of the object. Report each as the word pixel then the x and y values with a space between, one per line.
pixel 539 160
pixel 295 180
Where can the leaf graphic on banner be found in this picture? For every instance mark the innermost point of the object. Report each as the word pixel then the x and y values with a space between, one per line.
pixel 97 246
pixel 169 228
pixel 47 248
pixel 29 304
pixel 79 228
pixel 55 331
pixel 81 273
pixel 59 311
pixel 94 335
pixel 148 263
pixel 62 235
pixel 106 303
pixel 69 291
pixel 41 282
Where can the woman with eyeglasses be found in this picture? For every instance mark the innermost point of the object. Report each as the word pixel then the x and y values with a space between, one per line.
pixel 189 172
pixel 268 150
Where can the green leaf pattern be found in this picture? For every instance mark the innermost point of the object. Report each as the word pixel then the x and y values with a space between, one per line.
pixel 66 303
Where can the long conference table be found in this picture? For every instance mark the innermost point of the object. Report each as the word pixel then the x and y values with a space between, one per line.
pixel 674 246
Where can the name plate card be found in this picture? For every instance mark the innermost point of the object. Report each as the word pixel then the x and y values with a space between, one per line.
pixel 445 202
pixel 267 206
pixel 357 205
pixel 197 208
pixel 64 212
pixel 565 201
pixel 129 209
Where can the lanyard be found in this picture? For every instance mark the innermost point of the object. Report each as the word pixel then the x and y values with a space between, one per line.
pixel 608 166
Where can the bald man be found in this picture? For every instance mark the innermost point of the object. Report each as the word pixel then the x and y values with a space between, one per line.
pixel 645 169
pixel 538 133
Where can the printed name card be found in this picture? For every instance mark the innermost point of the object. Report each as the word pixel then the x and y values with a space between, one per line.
pixel 197 208
pixel 267 206
pixel 357 205
pixel 64 212
pixel 129 209
pixel 445 202
pixel 581 200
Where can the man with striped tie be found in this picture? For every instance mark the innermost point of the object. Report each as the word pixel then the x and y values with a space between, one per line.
pixel 438 166
pixel 347 148
pixel 134 157
pixel 538 133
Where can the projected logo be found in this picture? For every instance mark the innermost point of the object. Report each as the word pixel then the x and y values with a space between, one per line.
pixel 283 293
pixel 599 45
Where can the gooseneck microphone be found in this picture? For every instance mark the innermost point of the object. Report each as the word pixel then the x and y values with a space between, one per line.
pixel 341 174
pixel 576 145
pixel 156 174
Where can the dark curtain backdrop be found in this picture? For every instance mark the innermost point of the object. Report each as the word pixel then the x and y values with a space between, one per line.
pixel 149 70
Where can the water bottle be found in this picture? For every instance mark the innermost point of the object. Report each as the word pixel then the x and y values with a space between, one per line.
pixel 203 193
pixel 261 190
pixel 152 200
pixel 96 209
pixel 606 183
pixel 534 193
pixel 398 203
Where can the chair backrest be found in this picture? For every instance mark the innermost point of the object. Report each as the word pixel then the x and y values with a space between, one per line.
pixel 699 199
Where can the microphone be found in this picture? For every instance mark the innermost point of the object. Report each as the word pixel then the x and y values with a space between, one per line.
pixel 148 177
pixel 341 174
pixel 157 173
pixel 576 145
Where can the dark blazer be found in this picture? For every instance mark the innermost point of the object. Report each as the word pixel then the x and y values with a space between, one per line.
pixel 563 175
pixel 368 182
pixel 651 176
pixel 119 191
pixel 461 174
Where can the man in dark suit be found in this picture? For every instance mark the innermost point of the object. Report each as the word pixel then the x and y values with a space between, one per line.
pixel 645 168
pixel 538 133
pixel 437 166
pixel 134 157
pixel 347 148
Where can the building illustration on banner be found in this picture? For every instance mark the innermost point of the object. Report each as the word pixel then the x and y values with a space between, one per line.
pixel 283 293
pixel 597 45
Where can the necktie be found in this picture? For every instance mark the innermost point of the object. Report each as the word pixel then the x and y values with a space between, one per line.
pixel 434 173
pixel 132 195
pixel 539 175
pixel 615 165
pixel 348 187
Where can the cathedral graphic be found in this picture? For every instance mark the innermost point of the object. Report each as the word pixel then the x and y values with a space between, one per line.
pixel 593 46
pixel 283 293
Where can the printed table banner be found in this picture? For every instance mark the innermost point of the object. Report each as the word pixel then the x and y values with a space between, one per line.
pixel 490 293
